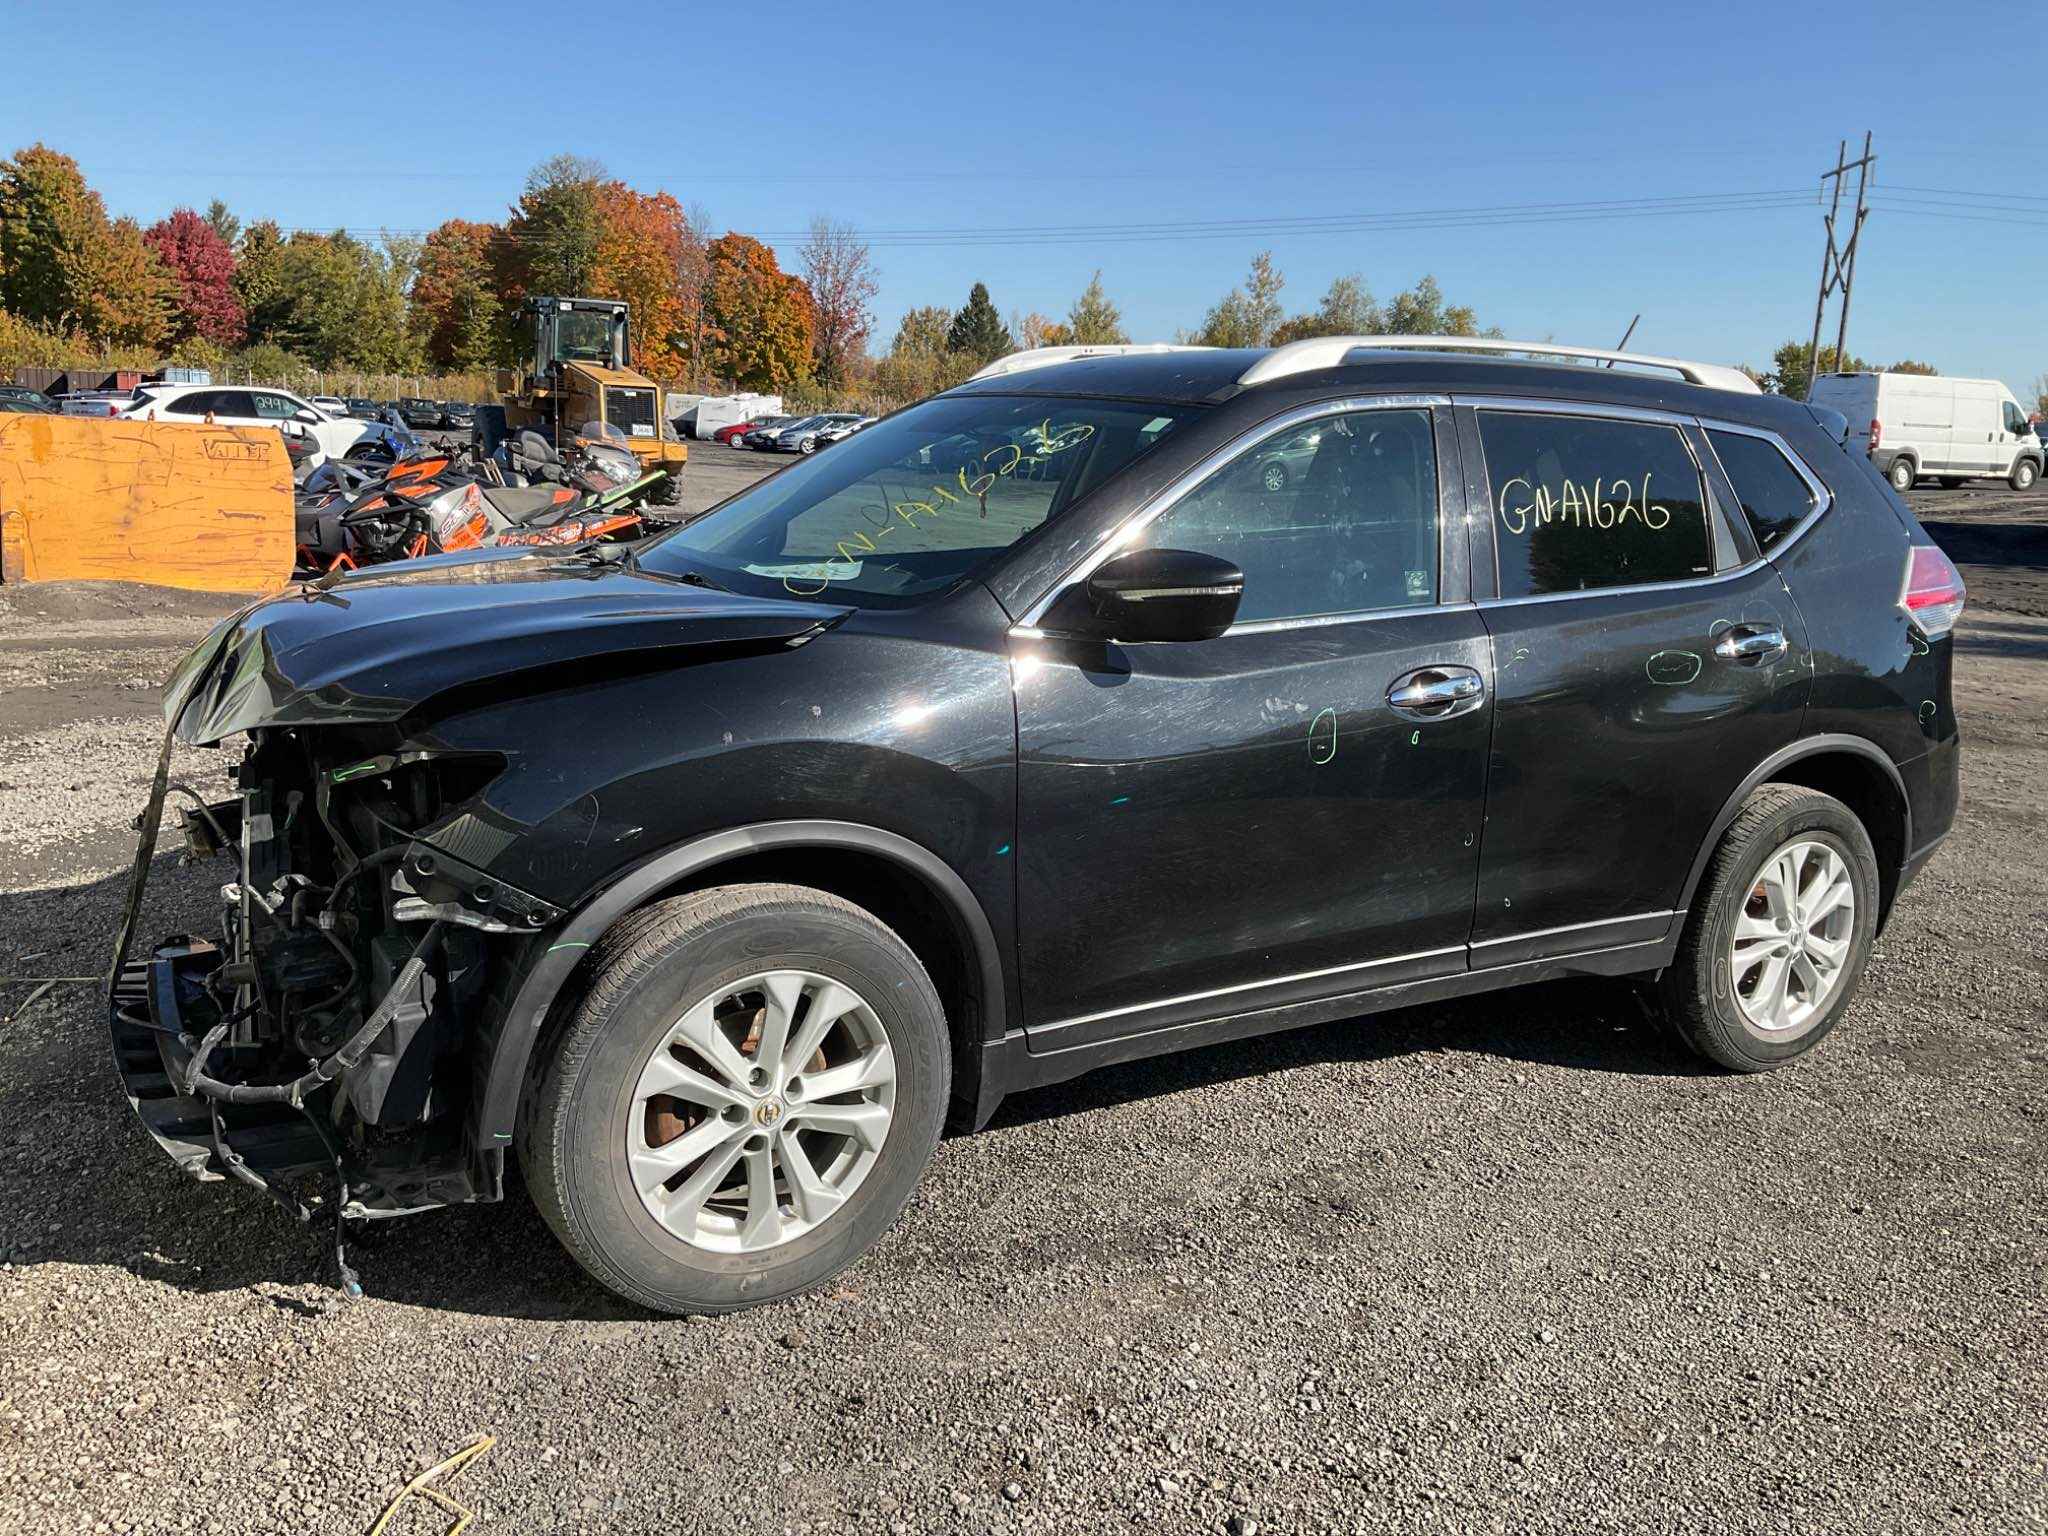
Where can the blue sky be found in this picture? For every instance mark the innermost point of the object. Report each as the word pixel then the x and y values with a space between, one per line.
pixel 957 118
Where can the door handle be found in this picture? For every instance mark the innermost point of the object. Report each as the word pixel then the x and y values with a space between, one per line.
pixel 1751 642
pixel 1436 693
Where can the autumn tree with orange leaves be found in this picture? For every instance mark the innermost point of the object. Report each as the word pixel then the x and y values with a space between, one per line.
pixel 65 264
pixel 455 309
pixel 759 322
pixel 644 255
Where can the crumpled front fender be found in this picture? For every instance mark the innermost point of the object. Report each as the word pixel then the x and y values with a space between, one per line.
pixel 375 646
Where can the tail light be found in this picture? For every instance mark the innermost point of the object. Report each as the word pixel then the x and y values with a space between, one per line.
pixel 1934 593
pixel 1876 433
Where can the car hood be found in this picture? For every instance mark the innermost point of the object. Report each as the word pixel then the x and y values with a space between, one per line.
pixel 376 645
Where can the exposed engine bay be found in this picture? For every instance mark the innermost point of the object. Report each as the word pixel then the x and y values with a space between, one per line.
pixel 323 1033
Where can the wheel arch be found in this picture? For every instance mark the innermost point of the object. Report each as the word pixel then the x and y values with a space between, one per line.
pixel 1853 769
pixel 902 882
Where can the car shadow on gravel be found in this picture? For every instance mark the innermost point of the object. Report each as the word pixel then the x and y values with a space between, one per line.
pixel 87 1186
pixel 1592 1024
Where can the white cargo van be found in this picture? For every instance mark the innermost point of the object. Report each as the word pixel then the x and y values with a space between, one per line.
pixel 1923 424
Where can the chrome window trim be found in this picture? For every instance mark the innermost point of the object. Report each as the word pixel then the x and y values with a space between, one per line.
pixel 1823 498
pixel 1544 406
pixel 1277 626
pixel 1249 986
pixel 1324 620
pixel 1679 421
pixel 1118 538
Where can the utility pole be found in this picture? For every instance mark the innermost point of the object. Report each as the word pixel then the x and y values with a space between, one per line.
pixel 1838 261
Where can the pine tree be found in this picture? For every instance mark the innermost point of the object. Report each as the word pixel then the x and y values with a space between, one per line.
pixel 978 331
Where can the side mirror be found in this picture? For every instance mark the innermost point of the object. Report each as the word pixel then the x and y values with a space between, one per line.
pixel 1164 594
pixel 310 418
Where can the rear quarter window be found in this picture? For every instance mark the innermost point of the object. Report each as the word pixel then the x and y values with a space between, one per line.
pixel 1584 502
pixel 1774 496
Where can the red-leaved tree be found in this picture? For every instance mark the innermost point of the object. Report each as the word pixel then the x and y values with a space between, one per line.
pixel 194 254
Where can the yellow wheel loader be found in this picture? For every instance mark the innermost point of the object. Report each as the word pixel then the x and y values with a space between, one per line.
pixel 581 372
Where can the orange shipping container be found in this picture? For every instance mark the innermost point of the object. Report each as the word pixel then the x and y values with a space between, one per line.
pixel 204 508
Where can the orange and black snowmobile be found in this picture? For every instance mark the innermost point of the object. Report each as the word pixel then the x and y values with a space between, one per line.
pixel 431 503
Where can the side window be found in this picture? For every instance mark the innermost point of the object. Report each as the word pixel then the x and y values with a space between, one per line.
pixel 234 404
pixel 198 403
pixel 1581 502
pixel 275 407
pixel 1334 516
pixel 1774 497
pixel 2015 420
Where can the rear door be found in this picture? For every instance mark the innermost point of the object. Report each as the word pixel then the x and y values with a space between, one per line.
pixel 1645 658
pixel 1216 826
pixel 237 408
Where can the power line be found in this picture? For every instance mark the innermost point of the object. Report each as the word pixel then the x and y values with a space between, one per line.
pixel 1968 218
pixel 1272 225
pixel 2015 197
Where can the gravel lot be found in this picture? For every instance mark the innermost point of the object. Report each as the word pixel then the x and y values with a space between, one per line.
pixel 1513 1264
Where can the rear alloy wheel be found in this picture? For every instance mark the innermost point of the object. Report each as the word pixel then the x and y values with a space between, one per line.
pixel 1902 475
pixel 742 1101
pixel 1791 941
pixel 1779 932
pixel 808 445
pixel 2024 474
pixel 1274 478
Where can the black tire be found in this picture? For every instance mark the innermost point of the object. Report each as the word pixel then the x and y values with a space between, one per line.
pixel 1696 992
pixel 1902 474
pixel 2024 473
pixel 643 975
pixel 668 491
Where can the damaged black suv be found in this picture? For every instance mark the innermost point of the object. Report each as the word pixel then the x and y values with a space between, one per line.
pixel 1110 704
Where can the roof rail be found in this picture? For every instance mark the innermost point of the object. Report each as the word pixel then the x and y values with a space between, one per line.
pixel 1045 357
pixel 1329 351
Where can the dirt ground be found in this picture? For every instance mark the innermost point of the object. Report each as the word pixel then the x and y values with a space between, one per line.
pixel 1509 1264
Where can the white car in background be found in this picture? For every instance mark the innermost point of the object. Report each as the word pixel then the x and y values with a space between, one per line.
pixel 243 405
pixel 333 405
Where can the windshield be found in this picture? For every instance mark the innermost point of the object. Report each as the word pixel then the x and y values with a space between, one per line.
pixel 583 336
pixel 910 506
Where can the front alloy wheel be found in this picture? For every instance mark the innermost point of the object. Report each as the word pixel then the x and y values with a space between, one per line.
pixel 762 1112
pixel 740 1100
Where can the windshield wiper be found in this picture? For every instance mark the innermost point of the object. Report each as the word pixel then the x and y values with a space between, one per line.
pixel 697 579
